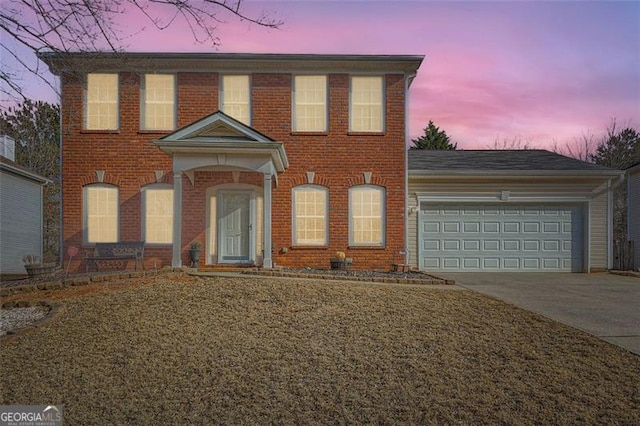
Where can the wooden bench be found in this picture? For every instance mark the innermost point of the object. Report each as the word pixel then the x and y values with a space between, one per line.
pixel 116 252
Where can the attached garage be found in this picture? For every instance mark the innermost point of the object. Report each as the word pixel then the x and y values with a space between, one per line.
pixel 494 237
pixel 512 211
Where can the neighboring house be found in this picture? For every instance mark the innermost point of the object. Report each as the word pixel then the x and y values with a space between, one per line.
pixel 20 211
pixel 633 212
pixel 262 158
pixel 529 210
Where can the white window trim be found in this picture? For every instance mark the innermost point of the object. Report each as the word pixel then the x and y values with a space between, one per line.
pixel 143 88
pixel 85 102
pixel 85 212
pixel 383 213
pixel 294 222
pixel 221 94
pixel 383 106
pixel 294 109
pixel 143 221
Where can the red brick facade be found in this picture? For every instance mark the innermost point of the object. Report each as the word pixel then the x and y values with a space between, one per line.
pixel 339 159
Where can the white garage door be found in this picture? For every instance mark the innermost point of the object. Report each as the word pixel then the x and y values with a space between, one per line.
pixel 500 237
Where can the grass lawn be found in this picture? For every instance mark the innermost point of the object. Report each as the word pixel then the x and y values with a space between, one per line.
pixel 184 350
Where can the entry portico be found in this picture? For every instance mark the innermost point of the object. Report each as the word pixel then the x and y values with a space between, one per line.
pixel 220 143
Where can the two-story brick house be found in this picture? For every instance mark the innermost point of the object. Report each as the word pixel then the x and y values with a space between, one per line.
pixel 302 154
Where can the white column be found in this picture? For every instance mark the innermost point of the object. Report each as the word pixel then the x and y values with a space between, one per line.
pixel 176 262
pixel 267 262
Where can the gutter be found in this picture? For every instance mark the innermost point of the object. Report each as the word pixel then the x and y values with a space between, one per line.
pixel 513 173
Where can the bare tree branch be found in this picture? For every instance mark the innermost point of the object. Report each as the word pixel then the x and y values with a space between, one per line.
pixel 91 25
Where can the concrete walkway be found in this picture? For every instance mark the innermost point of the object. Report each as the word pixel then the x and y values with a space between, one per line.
pixel 604 305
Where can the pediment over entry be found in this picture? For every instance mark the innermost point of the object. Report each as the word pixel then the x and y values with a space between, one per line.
pixel 216 127
pixel 219 134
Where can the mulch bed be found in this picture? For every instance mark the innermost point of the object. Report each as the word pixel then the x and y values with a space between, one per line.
pixel 179 349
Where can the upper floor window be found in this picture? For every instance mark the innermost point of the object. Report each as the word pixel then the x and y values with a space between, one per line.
pixel 235 99
pixel 157 207
pixel 100 214
pixel 101 103
pixel 159 96
pixel 366 215
pixel 310 204
pixel 366 104
pixel 310 103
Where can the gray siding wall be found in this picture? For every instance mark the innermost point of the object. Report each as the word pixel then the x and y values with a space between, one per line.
pixel 633 202
pixel 20 221
pixel 597 214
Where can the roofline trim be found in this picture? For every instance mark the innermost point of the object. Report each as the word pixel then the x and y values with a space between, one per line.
pixel 515 173
pixel 24 173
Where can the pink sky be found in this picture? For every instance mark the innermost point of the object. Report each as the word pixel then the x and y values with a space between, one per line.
pixel 542 72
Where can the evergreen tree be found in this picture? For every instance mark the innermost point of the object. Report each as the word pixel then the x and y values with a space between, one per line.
pixel 433 138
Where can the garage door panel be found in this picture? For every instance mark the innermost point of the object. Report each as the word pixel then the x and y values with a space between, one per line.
pixel 511 245
pixel 491 227
pixel 490 245
pixel 499 237
pixel 451 227
pixel 451 245
pixel 431 227
pixel 551 263
pixel 511 227
pixel 551 227
pixel 431 262
pixel 451 263
pixel 551 245
pixel 472 262
pixel 471 227
pixel 511 263
pixel 471 245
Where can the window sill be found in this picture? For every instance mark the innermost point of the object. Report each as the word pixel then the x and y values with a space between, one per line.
pixel 367 248
pixel 99 132
pixel 311 133
pixel 153 132
pixel 366 133
pixel 308 248
pixel 158 245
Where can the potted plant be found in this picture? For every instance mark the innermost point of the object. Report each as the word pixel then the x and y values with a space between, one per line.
pixel 34 266
pixel 194 253
pixel 341 261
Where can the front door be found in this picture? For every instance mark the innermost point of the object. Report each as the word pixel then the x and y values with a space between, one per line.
pixel 234 227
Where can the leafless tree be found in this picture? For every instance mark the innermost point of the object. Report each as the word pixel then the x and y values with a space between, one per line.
pixel 582 148
pixel 511 144
pixel 92 25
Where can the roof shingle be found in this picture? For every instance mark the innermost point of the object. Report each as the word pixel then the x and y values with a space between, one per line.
pixel 497 160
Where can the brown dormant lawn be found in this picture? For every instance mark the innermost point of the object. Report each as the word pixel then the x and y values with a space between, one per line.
pixel 182 350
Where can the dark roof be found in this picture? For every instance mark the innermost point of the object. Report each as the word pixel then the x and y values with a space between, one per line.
pixel 532 160
pixel 634 168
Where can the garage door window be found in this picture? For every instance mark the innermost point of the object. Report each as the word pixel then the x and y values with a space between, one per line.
pixel 366 212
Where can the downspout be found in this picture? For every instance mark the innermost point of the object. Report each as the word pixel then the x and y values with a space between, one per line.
pixel 407 83
pixel 609 225
pixel 60 209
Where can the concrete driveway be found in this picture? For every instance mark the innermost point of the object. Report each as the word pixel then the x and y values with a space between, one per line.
pixel 604 305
